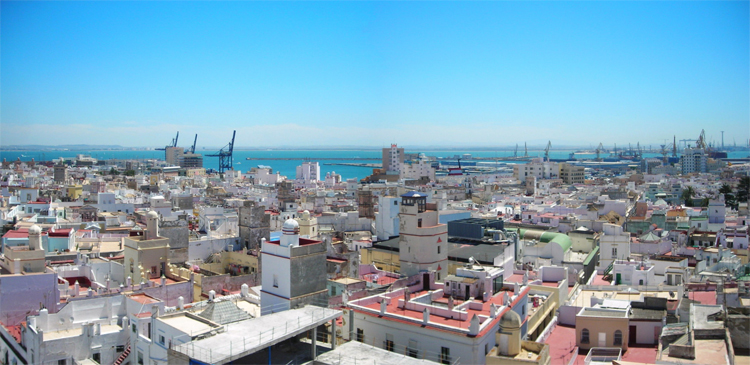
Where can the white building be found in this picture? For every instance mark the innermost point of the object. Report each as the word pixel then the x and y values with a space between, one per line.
pixel 393 157
pixel 386 218
pixel 416 170
pixel 308 172
pixel 538 169
pixel 614 244
pixel 423 241
pixel 93 328
pixel 294 271
pixel 264 176
pixel 693 160
pixel 424 321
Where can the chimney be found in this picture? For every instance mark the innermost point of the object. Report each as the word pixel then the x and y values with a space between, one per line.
pixel 474 326
pixel 154 311
pixel 426 316
pixel 42 321
pixel 493 310
pixel 244 290
pixel 181 303
pixel 211 295
pixel 383 305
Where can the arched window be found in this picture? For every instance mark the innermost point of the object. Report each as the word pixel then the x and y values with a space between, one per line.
pixel 618 338
pixel 585 336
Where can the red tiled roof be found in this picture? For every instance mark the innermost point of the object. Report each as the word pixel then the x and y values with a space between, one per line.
pixel 705 297
pixel 61 232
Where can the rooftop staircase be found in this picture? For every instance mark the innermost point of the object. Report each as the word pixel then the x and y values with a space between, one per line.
pixel 123 356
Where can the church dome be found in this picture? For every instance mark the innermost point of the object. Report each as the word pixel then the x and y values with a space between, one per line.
pixel 152 215
pixel 510 319
pixel 290 227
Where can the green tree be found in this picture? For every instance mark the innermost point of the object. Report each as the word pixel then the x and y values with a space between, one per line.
pixel 729 199
pixel 687 195
pixel 113 171
pixel 743 189
pixel 129 173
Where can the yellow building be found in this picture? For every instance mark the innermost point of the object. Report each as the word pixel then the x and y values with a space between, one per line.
pixel 384 260
pixel 308 225
pixel 75 191
pixel 147 256
pixel 600 327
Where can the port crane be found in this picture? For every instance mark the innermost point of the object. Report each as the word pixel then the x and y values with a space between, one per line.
pixel 225 155
pixel 173 144
pixel 546 151
pixel 192 148
pixel 599 150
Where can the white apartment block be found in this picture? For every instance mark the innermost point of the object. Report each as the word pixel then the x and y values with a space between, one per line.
pixel 693 160
pixel 537 168
pixel 308 171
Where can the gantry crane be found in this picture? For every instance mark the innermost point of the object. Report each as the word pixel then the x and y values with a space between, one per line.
pixel 225 155
pixel 173 144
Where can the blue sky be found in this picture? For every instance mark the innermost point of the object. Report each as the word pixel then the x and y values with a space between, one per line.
pixel 373 73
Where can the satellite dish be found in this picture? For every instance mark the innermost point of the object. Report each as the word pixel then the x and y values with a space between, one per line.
pixel 471 260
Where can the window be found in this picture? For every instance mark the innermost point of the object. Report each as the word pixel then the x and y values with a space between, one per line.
pixel 360 335
pixel 275 281
pixel 438 250
pixel 412 349
pixel 585 336
pixel 419 222
pixel 445 355
pixel 618 338
pixel 161 339
pixel 395 202
pixel 120 348
pixel 97 357
pixel 61 362
pixel 140 358
pixel 133 327
pixel 614 252
pixel 389 342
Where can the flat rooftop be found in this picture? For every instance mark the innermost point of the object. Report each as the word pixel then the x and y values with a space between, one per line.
pixel 706 352
pixel 247 337
pixel 354 352
pixel 188 324
pixel 608 313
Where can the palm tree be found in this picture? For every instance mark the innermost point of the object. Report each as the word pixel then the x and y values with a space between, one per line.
pixel 687 195
pixel 726 190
